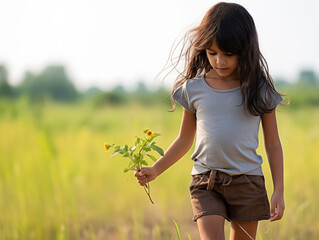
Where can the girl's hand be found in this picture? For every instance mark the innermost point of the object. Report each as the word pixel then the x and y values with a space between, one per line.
pixel 277 206
pixel 147 174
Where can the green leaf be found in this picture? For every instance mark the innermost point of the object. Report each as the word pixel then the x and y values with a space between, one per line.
pixel 156 135
pixel 116 152
pixel 132 167
pixel 158 149
pixel 136 159
pixel 152 157
pixel 146 149
pixel 144 163
pixel 132 148
pixel 126 148
pixel 126 155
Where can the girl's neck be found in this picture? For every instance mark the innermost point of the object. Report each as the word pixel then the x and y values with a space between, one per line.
pixel 220 83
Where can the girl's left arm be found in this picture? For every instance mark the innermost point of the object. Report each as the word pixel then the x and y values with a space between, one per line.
pixel 275 159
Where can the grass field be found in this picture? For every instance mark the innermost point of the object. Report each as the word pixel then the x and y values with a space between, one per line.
pixel 57 182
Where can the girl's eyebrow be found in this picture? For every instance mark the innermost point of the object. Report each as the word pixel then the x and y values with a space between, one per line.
pixel 215 51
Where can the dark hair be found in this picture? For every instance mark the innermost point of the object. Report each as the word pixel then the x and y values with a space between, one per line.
pixel 234 30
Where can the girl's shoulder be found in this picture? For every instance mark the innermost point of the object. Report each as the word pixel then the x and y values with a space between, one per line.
pixel 189 86
pixel 196 81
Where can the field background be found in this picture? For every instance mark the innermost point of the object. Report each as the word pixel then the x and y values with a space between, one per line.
pixel 57 182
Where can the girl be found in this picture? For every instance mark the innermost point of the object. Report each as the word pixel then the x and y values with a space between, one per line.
pixel 225 91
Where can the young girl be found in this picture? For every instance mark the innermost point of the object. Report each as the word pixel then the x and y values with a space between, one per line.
pixel 225 91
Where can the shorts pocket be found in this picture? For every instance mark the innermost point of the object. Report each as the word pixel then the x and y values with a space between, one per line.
pixel 198 181
pixel 257 181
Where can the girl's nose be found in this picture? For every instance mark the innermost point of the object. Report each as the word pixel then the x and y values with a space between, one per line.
pixel 220 60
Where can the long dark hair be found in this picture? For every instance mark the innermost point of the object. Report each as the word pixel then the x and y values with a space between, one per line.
pixel 234 30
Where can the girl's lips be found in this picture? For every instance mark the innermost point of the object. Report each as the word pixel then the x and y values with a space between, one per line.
pixel 222 69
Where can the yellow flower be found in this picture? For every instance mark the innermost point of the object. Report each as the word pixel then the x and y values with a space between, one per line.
pixel 149 133
pixel 107 147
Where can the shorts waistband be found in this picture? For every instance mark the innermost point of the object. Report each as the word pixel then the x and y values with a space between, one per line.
pixel 226 179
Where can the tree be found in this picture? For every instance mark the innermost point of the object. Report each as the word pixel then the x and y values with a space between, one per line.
pixel 141 87
pixel 5 88
pixel 307 77
pixel 52 82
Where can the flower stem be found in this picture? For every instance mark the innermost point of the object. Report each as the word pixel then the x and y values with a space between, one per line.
pixel 147 189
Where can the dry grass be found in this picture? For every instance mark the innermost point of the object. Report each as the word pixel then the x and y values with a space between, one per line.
pixel 56 181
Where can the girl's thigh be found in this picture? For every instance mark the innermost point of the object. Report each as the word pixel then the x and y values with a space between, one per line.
pixel 211 227
pixel 243 230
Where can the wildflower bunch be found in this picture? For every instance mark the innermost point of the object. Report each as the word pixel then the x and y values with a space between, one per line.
pixel 138 153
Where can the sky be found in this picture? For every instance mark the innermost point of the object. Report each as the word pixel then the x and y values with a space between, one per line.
pixel 106 43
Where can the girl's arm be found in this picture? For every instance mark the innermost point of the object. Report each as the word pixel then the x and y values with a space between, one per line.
pixel 177 149
pixel 275 158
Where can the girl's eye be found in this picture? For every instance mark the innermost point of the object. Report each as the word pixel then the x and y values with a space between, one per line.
pixel 228 54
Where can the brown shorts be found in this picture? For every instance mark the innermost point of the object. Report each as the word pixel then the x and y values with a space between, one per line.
pixel 239 197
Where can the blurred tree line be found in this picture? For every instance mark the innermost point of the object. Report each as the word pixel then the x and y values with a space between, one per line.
pixel 303 93
pixel 53 83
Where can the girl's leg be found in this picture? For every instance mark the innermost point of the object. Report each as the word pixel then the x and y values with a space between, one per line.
pixel 243 230
pixel 211 227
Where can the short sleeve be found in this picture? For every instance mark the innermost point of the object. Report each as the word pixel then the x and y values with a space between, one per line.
pixel 181 95
pixel 276 99
pixel 272 97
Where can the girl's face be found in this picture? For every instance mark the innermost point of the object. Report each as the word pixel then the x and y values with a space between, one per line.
pixel 224 63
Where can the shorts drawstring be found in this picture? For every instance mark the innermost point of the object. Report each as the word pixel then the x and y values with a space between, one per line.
pixel 211 180
pixel 230 178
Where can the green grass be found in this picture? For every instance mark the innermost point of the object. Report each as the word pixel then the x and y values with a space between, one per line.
pixel 56 181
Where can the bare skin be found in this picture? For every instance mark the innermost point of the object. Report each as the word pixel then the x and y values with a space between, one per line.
pixel 237 233
pixel 211 227
pixel 275 159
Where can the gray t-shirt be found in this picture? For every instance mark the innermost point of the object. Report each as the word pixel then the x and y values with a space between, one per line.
pixel 227 135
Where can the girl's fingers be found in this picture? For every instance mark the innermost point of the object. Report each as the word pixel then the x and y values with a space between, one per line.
pixel 143 181
pixel 144 176
pixel 141 178
pixel 276 212
pixel 139 174
pixel 280 212
pixel 144 171
pixel 272 210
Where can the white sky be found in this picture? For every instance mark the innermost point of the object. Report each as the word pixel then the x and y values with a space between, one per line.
pixel 105 43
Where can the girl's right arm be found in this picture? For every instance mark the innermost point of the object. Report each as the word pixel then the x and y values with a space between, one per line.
pixel 176 150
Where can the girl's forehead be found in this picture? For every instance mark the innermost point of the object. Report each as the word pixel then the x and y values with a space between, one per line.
pixel 213 45
pixel 224 44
